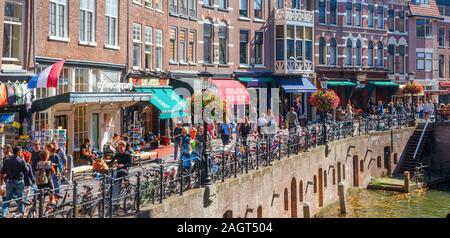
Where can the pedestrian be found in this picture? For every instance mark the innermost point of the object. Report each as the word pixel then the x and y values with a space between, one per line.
pixel 14 169
pixel 193 132
pixel 57 164
pixel 200 140
pixel 43 175
pixel 292 119
pixel 420 109
pixel 262 122
pixel 7 152
pixel 35 154
pixel 427 109
pixel 86 151
pixel 62 155
pixel 271 126
pixel 123 162
pixel 29 181
pixel 380 108
pixel 244 130
pixel 185 139
pixel 176 139
pixel 349 118
pixel 225 132
pixel 391 109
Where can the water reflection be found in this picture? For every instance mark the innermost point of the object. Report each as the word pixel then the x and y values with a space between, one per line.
pixel 431 203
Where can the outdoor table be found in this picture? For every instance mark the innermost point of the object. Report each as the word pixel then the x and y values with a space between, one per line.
pixel 137 158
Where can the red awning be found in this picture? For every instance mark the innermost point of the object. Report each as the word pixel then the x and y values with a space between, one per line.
pixel 232 91
pixel 444 84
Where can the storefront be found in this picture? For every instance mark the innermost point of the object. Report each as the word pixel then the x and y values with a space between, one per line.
pixel 444 97
pixel 260 90
pixel 345 91
pixel 295 93
pixel 381 91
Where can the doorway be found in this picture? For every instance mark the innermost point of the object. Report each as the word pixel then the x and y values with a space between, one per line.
pixel 61 122
pixel 387 159
pixel 355 171
pixel 96 130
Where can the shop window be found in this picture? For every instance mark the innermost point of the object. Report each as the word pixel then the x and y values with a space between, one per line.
pixel 80 131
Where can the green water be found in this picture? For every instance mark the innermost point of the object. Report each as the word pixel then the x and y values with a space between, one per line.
pixel 424 203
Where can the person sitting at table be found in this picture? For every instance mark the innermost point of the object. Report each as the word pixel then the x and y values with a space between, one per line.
pixel 86 151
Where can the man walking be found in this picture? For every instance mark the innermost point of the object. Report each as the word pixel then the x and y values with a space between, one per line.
pixel 292 119
pixel 177 139
pixel 14 169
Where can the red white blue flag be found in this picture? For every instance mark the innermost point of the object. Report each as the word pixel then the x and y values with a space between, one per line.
pixel 47 78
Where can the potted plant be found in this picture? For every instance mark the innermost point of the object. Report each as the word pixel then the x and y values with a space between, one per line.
pixel 324 101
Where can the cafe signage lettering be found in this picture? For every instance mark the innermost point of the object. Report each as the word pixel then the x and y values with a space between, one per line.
pixel 121 86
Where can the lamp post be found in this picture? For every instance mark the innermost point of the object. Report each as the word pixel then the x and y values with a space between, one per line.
pixel 411 80
pixel 206 79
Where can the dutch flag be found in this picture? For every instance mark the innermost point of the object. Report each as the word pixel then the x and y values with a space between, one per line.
pixel 47 78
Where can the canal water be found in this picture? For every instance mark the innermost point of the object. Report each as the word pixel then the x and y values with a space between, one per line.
pixel 424 203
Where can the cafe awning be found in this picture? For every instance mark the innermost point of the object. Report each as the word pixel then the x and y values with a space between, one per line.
pixel 84 98
pixel 340 84
pixel 232 91
pixel 383 84
pixel 256 79
pixel 300 85
pixel 166 100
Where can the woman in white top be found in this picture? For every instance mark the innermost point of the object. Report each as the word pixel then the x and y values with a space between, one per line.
pixel 420 109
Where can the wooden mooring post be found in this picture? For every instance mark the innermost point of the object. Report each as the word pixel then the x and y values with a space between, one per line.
pixel 341 193
pixel 406 177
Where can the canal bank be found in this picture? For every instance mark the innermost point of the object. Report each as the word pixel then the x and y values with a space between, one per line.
pixel 433 202
pixel 280 190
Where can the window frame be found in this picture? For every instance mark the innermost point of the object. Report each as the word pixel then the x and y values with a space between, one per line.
pixel 57 34
pixel 84 21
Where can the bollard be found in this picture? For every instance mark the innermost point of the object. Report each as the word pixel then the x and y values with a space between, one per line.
pixel 138 191
pixel 41 203
pixel 161 178
pixel 306 213
pixel 75 199
pixel 341 193
pixel 406 177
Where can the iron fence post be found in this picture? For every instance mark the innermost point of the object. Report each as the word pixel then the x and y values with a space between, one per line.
pixel 257 153
pixel 289 143
pixel 161 178
pixel 103 196
pixel 246 166
pixel 41 203
pixel 111 187
pixel 279 147
pixel 75 199
pixel 138 191
pixel 181 177
pixel 223 165
pixel 235 168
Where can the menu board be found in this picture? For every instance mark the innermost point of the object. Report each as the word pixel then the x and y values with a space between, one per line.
pixel 47 135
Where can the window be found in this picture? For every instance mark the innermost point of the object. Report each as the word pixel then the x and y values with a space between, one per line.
pixel 223 43
pixel 391 58
pixel 183 7
pixel 294 47
pixel 380 17
pixel 223 4
pixel 259 48
pixel 207 42
pixel 87 20
pixel 148 47
pixel 308 44
pixel 322 49
pixel 426 2
pixel 391 20
pixel 295 4
pixel 358 14
pixel 424 28
pixel 148 3
pixel 309 5
pixel 380 55
pixel 370 13
pixel 322 11
pixel 158 5
pixel 370 54
pixel 12 32
pixel 192 46
pixel 243 8
pixel 441 38
pixel 193 8
pixel 258 9
pixel 173 44
pixel 348 13
pixel 80 122
pixel 401 52
pixel 159 49
pixel 441 66
pixel 58 18
pixel 81 80
pixel 348 53
pixel 243 47
pixel 401 22
pixel 358 53
pixel 279 42
pixel 208 3
pixel 333 51
pixel 111 22
pixel 41 121
pixel 333 7
pixel 183 45
pixel 280 4
pixel 173 6
pixel 137 44
pixel 424 61
pixel 63 82
pixel 449 37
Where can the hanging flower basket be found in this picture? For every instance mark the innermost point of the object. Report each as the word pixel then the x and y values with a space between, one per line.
pixel 209 99
pixel 412 88
pixel 324 100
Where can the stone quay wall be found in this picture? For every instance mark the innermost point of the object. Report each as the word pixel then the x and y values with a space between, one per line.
pixel 279 191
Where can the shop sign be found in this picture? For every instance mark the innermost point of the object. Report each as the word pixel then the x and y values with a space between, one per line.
pixel 150 82
pixel 120 86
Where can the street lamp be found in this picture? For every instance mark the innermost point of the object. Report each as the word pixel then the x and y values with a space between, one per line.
pixel 411 76
pixel 206 78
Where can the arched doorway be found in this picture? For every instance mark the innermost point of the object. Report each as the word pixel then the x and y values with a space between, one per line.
pixel 286 199
pixel 259 212
pixel 355 171
pixel 320 187
pixel 293 198
pixel 228 214
pixel 387 159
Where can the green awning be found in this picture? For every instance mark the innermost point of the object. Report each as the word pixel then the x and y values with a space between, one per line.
pixel 340 84
pixel 383 84
pixel 166 100
pixel 253 79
